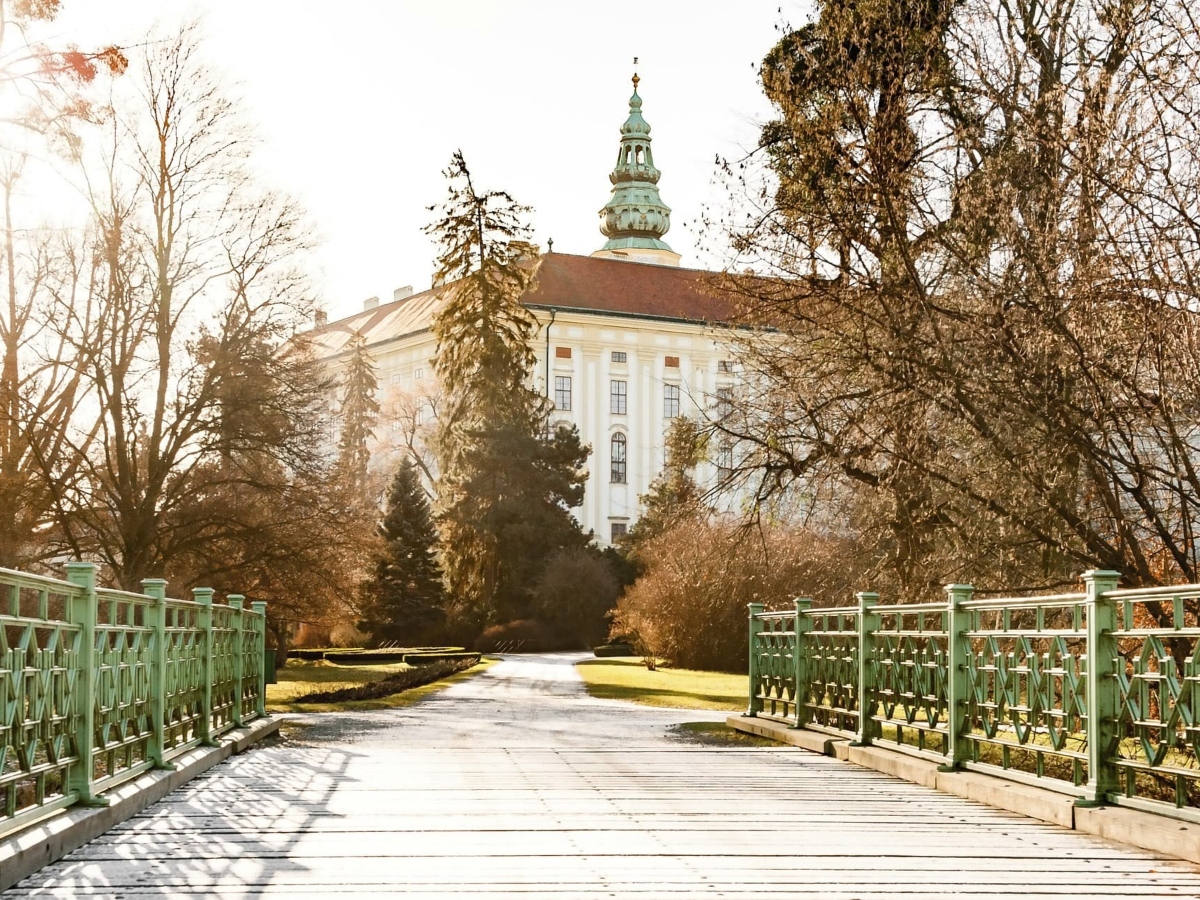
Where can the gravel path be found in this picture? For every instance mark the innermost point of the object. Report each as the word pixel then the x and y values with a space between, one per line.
pixel 517 784
pixel 525 701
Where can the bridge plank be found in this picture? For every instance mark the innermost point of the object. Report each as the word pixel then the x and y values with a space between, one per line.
pixel 516 785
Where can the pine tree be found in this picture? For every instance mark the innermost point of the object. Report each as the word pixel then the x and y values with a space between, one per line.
pixel 360 412
pixel 507 481
pixel 404 595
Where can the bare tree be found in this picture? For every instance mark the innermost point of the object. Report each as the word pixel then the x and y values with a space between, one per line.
pixel 408 423
pixel 208 462
pixel 40 385
pixel 977 243
pixel 45 92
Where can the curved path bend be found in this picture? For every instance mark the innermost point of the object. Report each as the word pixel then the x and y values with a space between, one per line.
pixel 517 784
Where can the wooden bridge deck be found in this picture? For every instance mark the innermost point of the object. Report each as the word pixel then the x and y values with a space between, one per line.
pixel 515 784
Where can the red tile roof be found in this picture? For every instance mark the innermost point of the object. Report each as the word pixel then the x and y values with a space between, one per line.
pixel 564 282
pixel 615 286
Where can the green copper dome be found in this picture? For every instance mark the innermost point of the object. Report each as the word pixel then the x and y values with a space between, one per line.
pixel 635 218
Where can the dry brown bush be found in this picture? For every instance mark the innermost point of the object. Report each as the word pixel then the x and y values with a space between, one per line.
pixel 689 608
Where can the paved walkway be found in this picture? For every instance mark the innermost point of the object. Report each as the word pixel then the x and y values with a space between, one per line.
pixel 516 784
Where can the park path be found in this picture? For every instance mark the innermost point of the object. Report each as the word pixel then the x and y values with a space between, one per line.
pixel 517 784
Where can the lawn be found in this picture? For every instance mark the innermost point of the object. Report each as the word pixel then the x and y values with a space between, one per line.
pixel 627 678
pixel 300 677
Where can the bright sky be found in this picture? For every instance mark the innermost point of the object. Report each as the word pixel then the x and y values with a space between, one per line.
pixel 360 104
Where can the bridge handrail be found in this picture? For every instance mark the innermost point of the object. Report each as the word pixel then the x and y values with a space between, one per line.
pixel 1095 694
pixel 1033 602
pixel 98 686
pixel 1186 590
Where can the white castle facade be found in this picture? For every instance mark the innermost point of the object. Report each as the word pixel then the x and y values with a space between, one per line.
pixel 626 342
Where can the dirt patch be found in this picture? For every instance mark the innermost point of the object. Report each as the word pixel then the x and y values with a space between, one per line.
pixel 716 734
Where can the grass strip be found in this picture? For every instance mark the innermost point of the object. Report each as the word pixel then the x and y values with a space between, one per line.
pixel 628 679
pixel 300 677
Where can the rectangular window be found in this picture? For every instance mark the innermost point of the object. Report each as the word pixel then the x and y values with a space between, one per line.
pixel 396 378
pixel 670 401
pixel 618 356
pixel 618 396
pixel 418 374
pixel 619 530
pixel 724 402
pixel 562 352
pixel 725 457
pixel 562 392
pixel 672 362
pixel 725 366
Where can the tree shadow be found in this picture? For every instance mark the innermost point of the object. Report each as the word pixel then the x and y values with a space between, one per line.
pixel 229 832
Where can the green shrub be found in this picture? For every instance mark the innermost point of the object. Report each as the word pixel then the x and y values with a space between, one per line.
pixel 311 654
pixel 307 654
pixel 575 595
pixel 620 649
pixel 425 657
pixel 390 655
pixel 363 657
pixel 394 684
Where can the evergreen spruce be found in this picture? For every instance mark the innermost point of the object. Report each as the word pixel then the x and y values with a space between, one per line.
pixel 404 596
pixel 507 481
pixel 360 413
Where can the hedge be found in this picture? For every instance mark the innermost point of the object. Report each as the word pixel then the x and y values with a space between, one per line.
pixel 394 684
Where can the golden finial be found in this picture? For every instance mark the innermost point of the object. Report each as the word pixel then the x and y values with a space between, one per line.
pixel 635 76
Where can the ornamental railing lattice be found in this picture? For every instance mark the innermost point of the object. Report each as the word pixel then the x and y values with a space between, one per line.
pixel 99 686
pixel 1004 686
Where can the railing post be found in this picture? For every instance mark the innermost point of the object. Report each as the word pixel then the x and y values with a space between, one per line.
pixel 800 658
pixel 236 602
pixel 958 653
pixel 261 608
pixel 868 624
pixel 204 596
pixel 81 611
pixel 1103 693
pixel 755 629
pixel 156 589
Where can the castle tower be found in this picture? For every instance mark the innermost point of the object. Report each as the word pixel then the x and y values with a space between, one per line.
pixel 635 218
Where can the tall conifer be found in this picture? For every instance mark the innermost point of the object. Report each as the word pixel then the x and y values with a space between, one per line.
pixel 507 481
pixel 360 413
pixel 404 594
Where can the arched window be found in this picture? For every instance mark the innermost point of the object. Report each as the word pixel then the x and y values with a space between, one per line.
pixel 617 449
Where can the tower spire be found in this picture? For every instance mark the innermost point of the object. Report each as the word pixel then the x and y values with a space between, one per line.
pixel 635 218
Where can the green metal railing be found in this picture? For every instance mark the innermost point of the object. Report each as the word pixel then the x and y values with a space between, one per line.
pixel 1004 686
pixel 98 686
